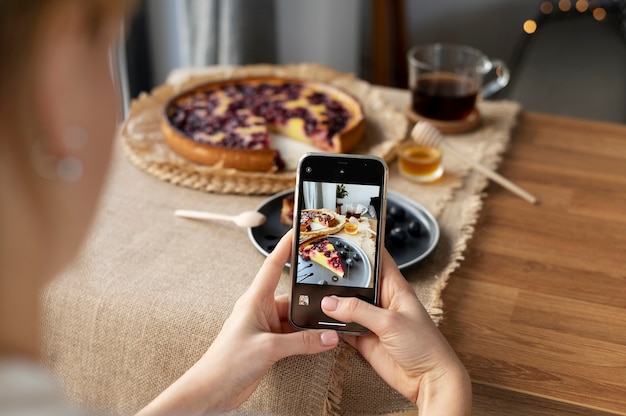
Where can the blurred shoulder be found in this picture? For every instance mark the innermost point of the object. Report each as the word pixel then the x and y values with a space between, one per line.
pixel 28 388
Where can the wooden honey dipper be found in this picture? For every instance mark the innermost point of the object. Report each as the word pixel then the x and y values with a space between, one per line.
pixel 425 134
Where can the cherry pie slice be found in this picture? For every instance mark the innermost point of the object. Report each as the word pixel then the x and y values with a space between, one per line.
pixel 322 252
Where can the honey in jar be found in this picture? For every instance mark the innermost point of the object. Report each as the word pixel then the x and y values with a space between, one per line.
pixel 419 163
pixel 351 227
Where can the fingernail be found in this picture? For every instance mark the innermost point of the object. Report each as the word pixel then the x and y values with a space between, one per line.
pixel 329 338
pixel 330 303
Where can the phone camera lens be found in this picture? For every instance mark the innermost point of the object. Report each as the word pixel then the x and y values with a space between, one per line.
pixel 309 169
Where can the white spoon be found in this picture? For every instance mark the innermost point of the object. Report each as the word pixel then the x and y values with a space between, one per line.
pixel 245 219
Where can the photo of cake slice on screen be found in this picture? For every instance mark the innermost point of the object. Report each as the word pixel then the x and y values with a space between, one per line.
pixel 337 234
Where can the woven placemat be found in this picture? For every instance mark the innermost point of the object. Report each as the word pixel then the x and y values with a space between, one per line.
pixel 145 146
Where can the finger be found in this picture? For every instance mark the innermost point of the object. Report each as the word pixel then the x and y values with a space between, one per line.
pixel 355 310
pixel 388 263
pixel 392 280
pixel 303 342
pixel 286 327
pixel 282 306
pixel 390 268
pixel 269 274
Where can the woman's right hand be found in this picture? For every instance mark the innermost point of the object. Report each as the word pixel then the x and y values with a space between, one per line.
pixel 405 347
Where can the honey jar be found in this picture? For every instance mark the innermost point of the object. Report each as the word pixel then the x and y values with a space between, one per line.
pixel 419 163
pixel 352 226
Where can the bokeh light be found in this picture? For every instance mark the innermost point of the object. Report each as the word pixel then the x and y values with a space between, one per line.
pixel 599 13
pixel 565 5
pixel 582 6
pixel 546 7
pixel 530 26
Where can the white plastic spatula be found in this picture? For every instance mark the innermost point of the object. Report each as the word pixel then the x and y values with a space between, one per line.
pixel 245 219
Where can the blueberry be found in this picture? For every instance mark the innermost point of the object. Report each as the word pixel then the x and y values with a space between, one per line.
pixel 356 257
pixel 415 228
pixel 397 212
pixel 350 262
pixel 397 235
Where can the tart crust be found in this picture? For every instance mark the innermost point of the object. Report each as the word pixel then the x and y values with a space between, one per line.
pixel 243 159
pixel 266 159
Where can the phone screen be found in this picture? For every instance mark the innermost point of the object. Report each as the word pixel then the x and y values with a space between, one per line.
pixel 338 227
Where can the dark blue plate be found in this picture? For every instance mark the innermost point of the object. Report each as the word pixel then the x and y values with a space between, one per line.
pixel 411 251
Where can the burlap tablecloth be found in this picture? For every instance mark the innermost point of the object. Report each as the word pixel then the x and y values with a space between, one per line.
pixel 150 291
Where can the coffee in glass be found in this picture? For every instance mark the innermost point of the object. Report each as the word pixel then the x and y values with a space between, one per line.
pixel 446 79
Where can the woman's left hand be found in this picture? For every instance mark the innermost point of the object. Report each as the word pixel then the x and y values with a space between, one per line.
pixel 255 336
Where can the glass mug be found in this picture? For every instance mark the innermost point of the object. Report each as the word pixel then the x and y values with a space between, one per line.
pixel 446 79
pixel 355 210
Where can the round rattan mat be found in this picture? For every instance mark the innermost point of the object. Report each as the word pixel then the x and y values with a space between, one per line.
pixel 146 148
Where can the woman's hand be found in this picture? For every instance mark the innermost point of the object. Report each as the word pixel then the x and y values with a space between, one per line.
pixel 255 336
pixel 405 347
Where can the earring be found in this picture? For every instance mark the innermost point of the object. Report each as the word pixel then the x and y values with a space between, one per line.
pixel 66 168
pixel 70 169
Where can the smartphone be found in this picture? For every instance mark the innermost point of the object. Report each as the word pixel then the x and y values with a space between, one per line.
pixel 339 214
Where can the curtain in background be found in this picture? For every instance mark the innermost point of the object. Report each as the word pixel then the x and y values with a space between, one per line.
pixel 227 32
pixel 313 195
pixel 168 34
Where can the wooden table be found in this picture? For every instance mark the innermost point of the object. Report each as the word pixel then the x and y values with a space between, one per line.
pixel 537 310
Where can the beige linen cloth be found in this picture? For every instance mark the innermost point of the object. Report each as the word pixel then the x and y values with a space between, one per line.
pixel 150 291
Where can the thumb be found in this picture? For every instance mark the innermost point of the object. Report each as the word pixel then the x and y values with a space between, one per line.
pixel 304 342
pixel 353 310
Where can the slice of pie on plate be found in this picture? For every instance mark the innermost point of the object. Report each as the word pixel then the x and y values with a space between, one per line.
pixel 322 252
pixel 287 210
